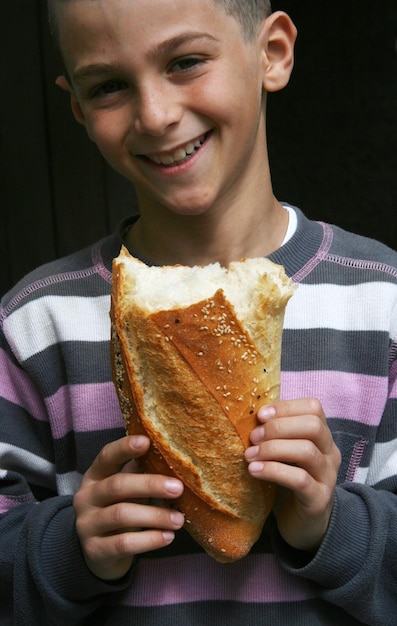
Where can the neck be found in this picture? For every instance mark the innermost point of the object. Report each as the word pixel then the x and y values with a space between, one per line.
pixel 203 239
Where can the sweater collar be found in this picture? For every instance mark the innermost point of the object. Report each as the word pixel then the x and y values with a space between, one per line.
pixel 309 242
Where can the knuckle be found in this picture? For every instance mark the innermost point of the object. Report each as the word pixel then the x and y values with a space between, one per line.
pixel 314 406
pixel 315 425
pixel 103 455
pixel 269 450
pixel 311 451
pixel 303 481
pixel 80 527
pixel 115 484
pixel 78 500
pixel 275 429
pixel 122 544
pixel 155 485
pixel 119 514
pixel 91 548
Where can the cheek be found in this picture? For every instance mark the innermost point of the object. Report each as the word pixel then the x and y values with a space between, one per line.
pixel 105 133
pixel 232 99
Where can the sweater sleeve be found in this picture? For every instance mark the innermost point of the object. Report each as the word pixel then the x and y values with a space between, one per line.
pixel 355 567
pixel 46 573
pixel 43 575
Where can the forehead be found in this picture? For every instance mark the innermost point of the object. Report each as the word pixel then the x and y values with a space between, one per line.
pixel 104 27
pixel 61 10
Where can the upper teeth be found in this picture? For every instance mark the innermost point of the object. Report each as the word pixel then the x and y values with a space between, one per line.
pixel 179 155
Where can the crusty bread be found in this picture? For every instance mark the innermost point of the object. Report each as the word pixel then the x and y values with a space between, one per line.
pixel 195 352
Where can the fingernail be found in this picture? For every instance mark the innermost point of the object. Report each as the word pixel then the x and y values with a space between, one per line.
pixel 266 412
pixel 256 467
pixel 138 442
pixel 173 486
pixel 258 434
pixel 252 452
pixel 177 518
pixel 168 536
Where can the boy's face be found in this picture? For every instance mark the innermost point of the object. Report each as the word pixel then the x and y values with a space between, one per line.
pixel 171 94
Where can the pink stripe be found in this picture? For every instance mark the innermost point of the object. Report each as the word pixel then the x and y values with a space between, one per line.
pixel 6 504
pixel 197 578
pixel 16 387
pixel 83 408
pixel 349 396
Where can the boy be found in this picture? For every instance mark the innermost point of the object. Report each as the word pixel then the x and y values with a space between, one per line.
pixel 174 94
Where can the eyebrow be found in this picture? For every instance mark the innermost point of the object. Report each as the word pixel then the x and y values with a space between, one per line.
pixel 174 42
pixel 95 69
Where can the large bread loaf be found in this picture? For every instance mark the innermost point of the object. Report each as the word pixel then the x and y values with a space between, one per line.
pixel 195 352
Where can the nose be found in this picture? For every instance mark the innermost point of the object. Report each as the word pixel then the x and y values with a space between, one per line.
pixel 157 109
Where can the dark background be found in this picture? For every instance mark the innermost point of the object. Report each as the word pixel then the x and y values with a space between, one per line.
pixel 332 134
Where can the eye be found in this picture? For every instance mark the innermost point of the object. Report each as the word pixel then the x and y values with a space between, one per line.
pixel 107 88
pixel 186 64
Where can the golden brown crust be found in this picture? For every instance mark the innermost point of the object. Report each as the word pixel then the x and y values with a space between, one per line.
pixel 192 379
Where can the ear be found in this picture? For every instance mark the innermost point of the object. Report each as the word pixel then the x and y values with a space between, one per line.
pixel 277 39
pixel 65 85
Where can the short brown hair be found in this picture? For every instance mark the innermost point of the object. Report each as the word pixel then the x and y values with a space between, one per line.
pixel 249 14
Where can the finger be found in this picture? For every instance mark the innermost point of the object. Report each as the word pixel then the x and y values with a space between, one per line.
pixel 289 408
pixel 293 478
pixel 306 426
pixel 115 454
pixel 132 517
pixel 123 487
pixel 126 544
pixel 301 453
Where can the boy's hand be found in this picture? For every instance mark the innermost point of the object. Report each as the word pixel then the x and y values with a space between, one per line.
pixel 114 522
pixel 293 448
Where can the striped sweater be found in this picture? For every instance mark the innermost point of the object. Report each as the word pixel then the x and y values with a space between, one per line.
pixel 58 408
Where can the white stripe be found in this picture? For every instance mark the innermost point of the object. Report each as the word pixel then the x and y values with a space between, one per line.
pixel 30 464
pixel 53 319
pixel 69 483
pixel 383 462
pixel 361 476
pixel 357 307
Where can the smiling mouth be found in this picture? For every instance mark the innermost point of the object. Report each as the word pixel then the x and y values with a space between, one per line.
pixel 178 156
